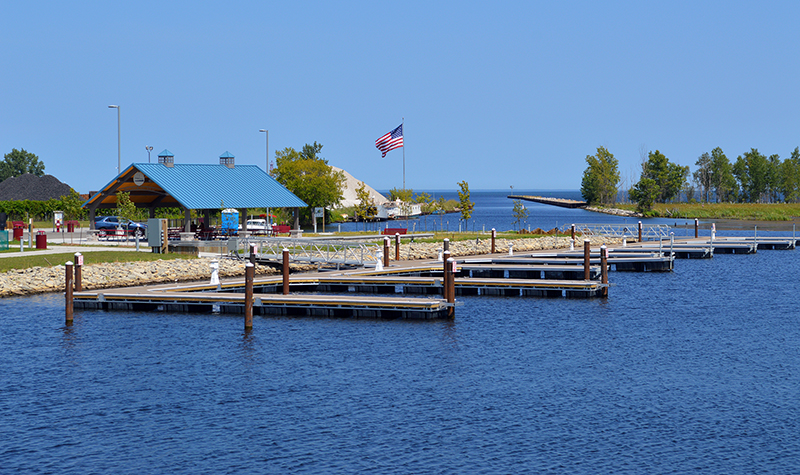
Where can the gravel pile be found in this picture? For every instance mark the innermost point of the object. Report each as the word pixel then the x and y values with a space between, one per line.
pixel 32 187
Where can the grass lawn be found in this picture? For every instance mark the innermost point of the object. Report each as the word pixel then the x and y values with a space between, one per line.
pixel 745 211
pixel 92 257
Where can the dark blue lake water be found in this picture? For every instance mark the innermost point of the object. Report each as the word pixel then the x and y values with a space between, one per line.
pixel 694 371
pixel 493 209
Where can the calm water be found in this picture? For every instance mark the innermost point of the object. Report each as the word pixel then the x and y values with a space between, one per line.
pixel 695 371
pixel 493 209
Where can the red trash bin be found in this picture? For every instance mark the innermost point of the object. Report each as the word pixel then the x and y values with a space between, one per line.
pixel 41 240
pixel 70 226
pixel 18 231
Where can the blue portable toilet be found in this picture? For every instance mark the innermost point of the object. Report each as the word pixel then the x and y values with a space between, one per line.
pixel 230 222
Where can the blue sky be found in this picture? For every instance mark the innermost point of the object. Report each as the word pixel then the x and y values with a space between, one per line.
pixel 508 94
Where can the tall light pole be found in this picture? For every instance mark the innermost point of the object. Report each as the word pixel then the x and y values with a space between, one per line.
pixel 119 146
pixel 149 149
pixel 267 132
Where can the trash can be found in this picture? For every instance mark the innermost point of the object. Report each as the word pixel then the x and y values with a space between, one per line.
pixel 18 231
pixel 70 226
pixel 41 240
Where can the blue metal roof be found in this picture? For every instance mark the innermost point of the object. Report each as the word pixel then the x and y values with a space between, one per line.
pixel 166 153
pixel 204 186
pixel 227 154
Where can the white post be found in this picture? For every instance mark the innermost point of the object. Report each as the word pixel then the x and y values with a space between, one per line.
pixel 215 273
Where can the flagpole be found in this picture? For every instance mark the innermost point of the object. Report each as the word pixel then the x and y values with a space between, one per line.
pixel 402 122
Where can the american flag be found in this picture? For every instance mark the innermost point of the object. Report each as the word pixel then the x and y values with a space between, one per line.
pixel 390 141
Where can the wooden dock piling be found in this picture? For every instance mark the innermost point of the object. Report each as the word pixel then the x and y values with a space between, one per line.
pixel 445 284
pixel 385 252
pixel 494 237
pixel 78 272
pixel 604 270
pixel 285 271
pixel 450 280
pixel 640 231
pixel 68 292
pixel 396 246
pixel 249 274
pixel 587 259
pixel 696 228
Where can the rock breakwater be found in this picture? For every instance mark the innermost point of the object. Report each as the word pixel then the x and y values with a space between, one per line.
pixel 124 274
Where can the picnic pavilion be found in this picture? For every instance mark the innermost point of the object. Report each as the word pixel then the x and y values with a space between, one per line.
pixel 201 187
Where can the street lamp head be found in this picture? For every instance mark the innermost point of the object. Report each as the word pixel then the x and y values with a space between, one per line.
pixel 113 107
pixel 262 130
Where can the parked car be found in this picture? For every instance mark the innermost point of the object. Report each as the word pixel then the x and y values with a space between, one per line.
pixel 257 226
pixel 109 223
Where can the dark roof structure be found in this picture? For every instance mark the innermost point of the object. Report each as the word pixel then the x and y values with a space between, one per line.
pixel 196 186
pixel 32 187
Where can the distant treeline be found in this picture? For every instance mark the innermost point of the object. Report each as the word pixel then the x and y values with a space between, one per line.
pixel 751 178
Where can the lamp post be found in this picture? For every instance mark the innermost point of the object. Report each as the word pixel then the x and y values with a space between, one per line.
pixel 119 147
pixel 269 169
pixel 149 149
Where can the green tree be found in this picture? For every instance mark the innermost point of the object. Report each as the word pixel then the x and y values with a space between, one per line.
pixel 399 194
pixel 309 176
pixel 520 213
pixel 365 209
pixel 752 173
pixel 790 177
pixel 722 180
pixel 71 204
pixel 669 178
pixel 127 208
pixel 441 203
pixel 601 178
pixel 645 192
pixel 424 199
pixel 465 204
pixel 774 177
pixel 20 162
pixel 702 176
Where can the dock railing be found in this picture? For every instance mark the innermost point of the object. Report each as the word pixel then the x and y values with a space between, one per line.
pixel 649 231
pixel 314 251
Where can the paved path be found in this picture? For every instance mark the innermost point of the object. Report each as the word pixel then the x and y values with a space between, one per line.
pixel 69 249
pixel 60 243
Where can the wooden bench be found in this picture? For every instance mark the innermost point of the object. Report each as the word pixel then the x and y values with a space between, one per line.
pixel 393 231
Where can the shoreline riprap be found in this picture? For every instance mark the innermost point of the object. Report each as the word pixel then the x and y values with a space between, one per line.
pixel 36 280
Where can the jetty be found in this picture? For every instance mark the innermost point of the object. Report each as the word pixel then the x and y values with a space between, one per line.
pixel 561 202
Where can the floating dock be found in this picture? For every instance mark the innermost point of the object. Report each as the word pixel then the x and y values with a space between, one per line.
pixel 641 263
pixel 304 305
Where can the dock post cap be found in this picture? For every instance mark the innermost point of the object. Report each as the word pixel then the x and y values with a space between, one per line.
pixel 249 264
pixel 69 263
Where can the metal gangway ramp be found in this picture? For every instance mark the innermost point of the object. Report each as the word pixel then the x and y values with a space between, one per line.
pixel 654 232
pixel 312 250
